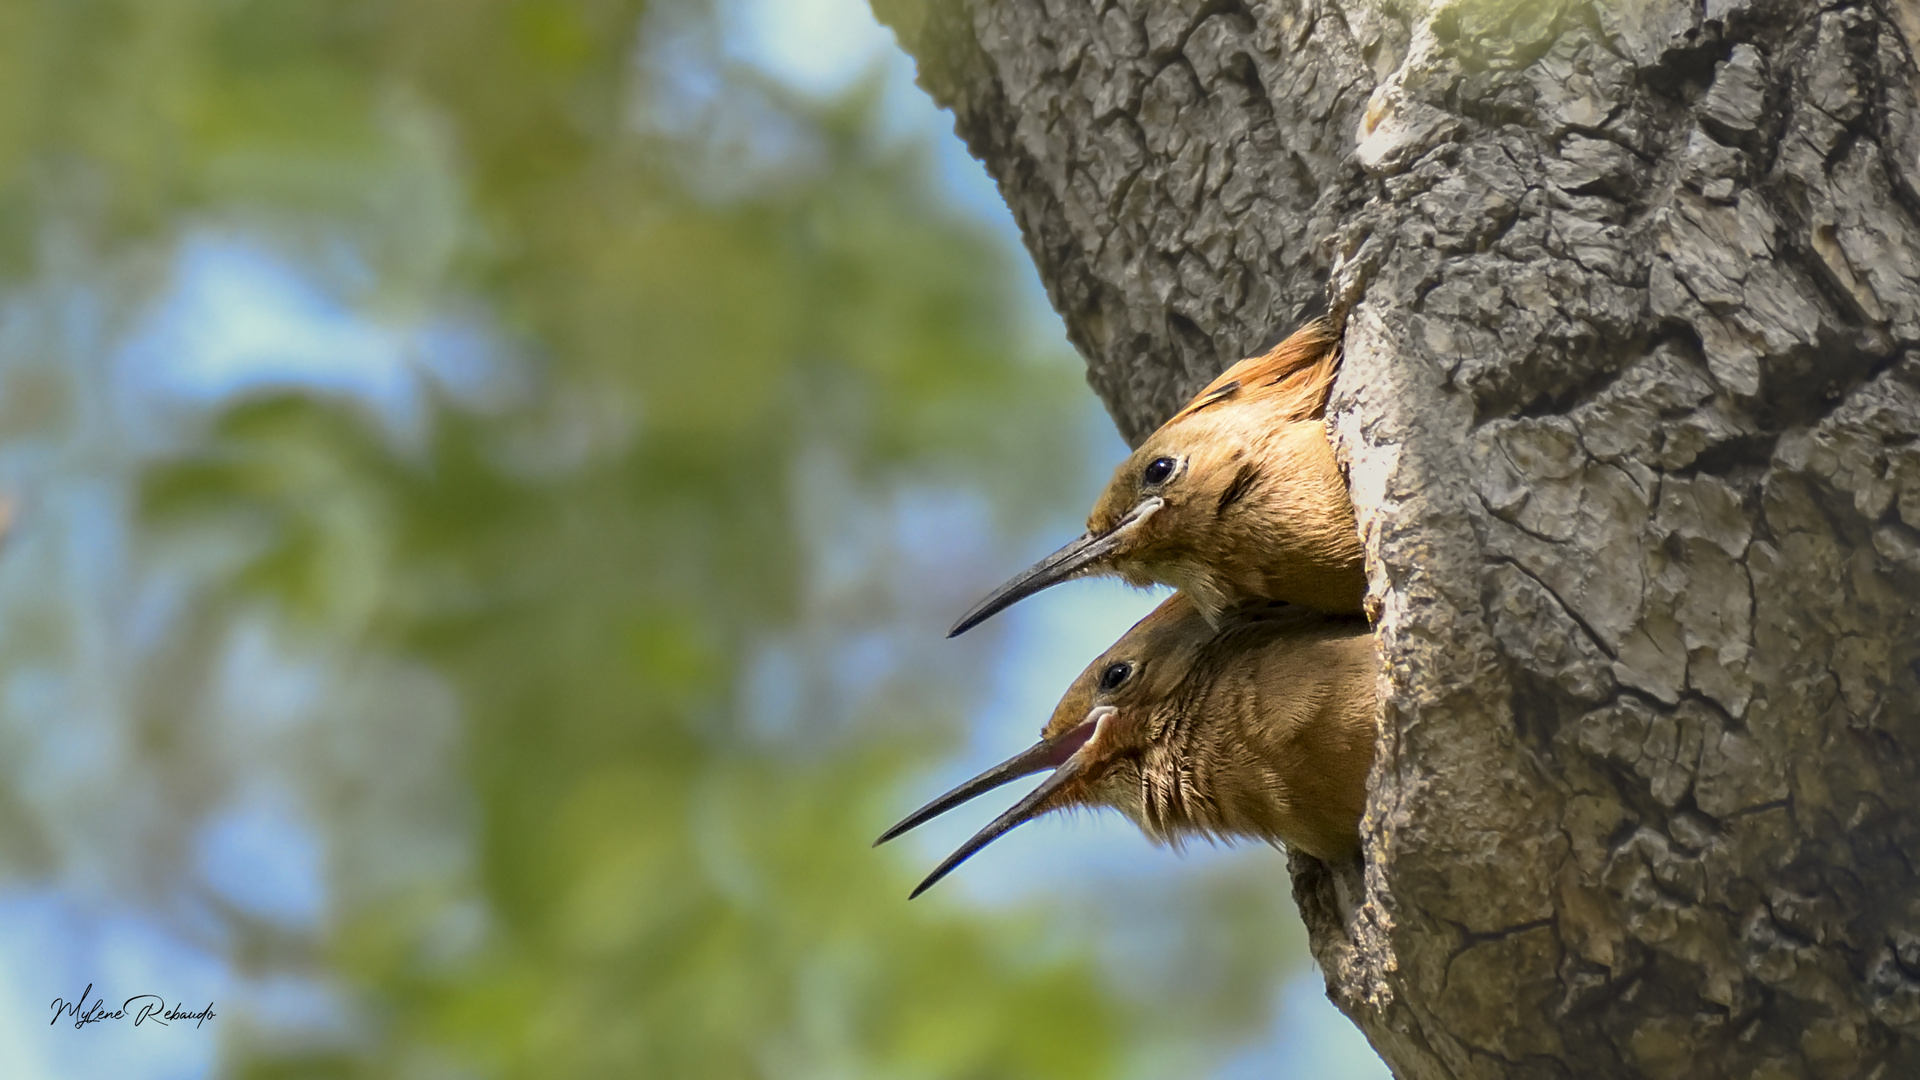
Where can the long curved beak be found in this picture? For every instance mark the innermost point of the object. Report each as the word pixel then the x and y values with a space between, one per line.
pixel 1070 561
pixel 1041 756
pixel 1062 754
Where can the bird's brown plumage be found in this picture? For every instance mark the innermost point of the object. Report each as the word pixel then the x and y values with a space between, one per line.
pixel 1292 378
pixel 1237 497
pixel 1261 728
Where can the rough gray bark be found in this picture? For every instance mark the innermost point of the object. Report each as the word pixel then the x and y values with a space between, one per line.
pixel 1630 407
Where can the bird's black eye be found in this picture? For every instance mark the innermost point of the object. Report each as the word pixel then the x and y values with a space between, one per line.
pixel 1115 674
pixel 1158 470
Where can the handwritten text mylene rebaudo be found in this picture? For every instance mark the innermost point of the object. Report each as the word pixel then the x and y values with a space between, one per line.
pixel 143 1008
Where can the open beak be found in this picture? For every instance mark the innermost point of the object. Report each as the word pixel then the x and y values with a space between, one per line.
pixel 1070 561
pixel 1062 754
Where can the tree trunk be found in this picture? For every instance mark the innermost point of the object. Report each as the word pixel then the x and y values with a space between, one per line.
pixel 1630 409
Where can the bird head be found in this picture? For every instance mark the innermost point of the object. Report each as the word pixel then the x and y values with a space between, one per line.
pixel 1172 488
pixel 1160 497
pixel 1095 742
pixel 1167 495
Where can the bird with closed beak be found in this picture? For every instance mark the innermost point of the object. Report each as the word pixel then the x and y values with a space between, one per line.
pixel 1261 728
pixel 1237 497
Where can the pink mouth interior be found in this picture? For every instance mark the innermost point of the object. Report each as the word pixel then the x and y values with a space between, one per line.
pixel 1069 744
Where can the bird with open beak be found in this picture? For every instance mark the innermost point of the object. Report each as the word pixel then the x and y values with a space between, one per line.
pixel 1237 497
pixel 1263 729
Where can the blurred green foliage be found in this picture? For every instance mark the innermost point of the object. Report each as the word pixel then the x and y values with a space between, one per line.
pixel 740 330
